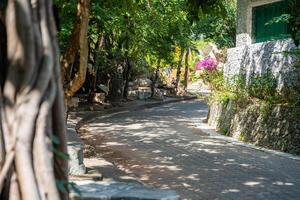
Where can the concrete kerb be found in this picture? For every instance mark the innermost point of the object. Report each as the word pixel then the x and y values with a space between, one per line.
pixel 110 113
pixel 204 127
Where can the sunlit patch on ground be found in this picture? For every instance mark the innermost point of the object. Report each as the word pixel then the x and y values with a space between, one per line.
pixel 160 147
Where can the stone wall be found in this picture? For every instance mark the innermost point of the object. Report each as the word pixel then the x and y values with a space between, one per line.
pixel 250 58
pixel 260 57
pixel 276 128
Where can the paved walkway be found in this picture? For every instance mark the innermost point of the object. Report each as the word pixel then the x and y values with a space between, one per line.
pixel 161 147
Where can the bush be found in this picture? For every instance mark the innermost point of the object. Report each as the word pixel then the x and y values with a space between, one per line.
pixel 263 87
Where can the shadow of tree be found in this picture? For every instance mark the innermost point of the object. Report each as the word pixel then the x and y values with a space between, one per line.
pixel 162 148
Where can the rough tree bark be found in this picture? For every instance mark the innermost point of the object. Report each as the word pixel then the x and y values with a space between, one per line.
pixel 3 49
pixel 127 78
pixel 186 70
pixel 78 42
pixel 179 69
pixel 31 105
pixel 127 60
pixel 100 45
pixel 155 78
pixel 99 54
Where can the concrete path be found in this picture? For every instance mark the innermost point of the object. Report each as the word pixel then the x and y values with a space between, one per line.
pixel 162 147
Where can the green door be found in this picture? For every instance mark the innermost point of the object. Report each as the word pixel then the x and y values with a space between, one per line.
pixel 261 15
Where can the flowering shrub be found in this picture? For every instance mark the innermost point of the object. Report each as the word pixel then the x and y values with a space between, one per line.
pixel 208 63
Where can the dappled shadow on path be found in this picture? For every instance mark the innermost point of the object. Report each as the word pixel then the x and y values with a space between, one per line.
pixel 162 147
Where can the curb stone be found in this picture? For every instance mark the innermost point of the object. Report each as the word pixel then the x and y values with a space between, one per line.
pixel 75 151
pixel 216 135
pixel 90 190
pixel 109 113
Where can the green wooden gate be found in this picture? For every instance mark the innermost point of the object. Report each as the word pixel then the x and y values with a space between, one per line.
pixel 262 15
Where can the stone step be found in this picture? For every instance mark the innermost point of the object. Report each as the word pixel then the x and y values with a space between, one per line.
pixel 75 151
pixel 91 190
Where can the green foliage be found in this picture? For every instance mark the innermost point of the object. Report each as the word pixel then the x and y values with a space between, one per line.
pixel 215 7
pixel 294 20
pixel 282 18
pixel 265 109
pixel 55 141
pixel 64 186
pixel 61 154
pixel 67 14
pixel 262 86
pixel 3 4
pixel 221 29
pixel 141 32
pixel 297 111
pixel 261 89
pixel 214 78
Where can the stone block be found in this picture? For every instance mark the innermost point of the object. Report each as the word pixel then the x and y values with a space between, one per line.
pixel 90 190
pixel 144 93
pixel 143 82
pixel 75 151
pixel 276 127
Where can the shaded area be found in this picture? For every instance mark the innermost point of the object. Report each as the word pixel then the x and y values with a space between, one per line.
pixel 161 147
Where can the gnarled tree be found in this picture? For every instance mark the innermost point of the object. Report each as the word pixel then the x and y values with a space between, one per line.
pixel 32 124
pixel 78 44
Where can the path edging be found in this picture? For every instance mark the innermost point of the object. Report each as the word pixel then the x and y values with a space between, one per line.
pixel 204 127
pixel 110 113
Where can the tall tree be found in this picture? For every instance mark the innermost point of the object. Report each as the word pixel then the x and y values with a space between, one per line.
pixel 179 66
pixel 186 70
pixel 78 44
pixel 32 125
pixel 155 78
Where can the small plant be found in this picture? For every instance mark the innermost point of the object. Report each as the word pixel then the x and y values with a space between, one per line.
pixel 262 86
pixel 209 74
pixel 265 109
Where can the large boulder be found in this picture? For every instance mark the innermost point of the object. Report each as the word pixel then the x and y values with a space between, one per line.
pixel 144 93
pixel 144 82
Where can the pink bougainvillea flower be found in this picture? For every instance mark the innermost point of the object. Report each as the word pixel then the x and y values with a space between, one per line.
pixel 208 63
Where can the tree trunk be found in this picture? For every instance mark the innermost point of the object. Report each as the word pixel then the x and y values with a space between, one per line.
pixel 3 51
pixel 186 70
pixel 127 77
pixel 32 126
pixel 78 41
pixel 155 78
pixel 127 61
pixel 99 48
pixel 179 70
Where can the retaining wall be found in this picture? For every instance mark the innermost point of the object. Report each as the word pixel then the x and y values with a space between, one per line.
pixel 276 128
